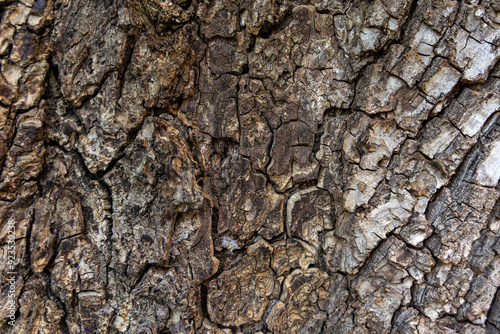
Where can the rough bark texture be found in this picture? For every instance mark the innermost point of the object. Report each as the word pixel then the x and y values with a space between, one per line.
pixel 237 166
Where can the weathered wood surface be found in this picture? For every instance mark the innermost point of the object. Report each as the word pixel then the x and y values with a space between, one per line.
pixel 236 166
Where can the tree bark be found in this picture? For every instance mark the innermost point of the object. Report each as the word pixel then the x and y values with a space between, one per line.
pixel 237 166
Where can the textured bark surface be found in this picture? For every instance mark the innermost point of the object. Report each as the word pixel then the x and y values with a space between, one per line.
pixel 237 166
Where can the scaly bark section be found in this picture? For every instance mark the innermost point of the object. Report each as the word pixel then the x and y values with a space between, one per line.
pixel 236 166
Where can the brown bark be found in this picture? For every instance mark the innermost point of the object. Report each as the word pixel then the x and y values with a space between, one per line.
pixel 236 166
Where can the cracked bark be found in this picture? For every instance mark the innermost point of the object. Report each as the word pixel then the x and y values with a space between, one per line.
pixel 235 166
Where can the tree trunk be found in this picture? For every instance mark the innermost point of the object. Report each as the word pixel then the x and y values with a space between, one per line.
pixel 237 166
